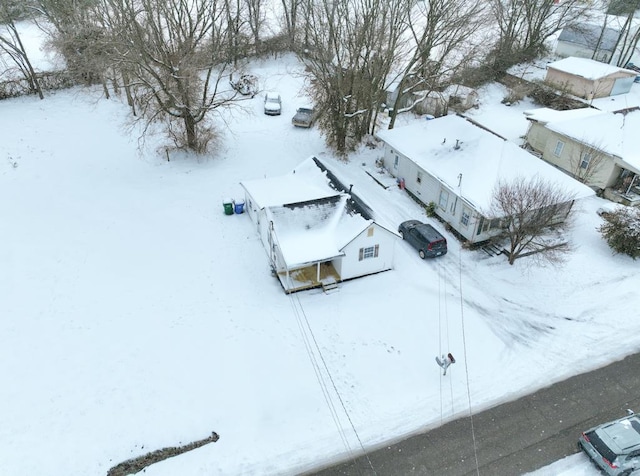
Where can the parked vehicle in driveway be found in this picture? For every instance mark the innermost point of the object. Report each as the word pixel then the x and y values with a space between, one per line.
pixel 272 104
pixel 423 237
pixel 615 446
pixel 304 117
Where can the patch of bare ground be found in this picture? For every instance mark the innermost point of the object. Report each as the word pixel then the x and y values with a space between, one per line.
pixel 135 465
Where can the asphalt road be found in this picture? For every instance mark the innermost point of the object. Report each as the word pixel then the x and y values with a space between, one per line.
pixel 512 438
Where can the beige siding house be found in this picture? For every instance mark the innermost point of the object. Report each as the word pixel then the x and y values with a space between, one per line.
pixel 601 149
pixel 589 79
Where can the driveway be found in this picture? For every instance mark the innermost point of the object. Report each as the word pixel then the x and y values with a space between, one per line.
pixel 515 437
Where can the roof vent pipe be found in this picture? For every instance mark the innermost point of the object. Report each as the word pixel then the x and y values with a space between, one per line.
pixel 457 146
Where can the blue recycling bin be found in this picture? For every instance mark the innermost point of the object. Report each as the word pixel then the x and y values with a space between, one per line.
pixel 238 206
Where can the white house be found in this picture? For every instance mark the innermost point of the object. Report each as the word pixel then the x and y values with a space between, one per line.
pixel 314 231
pixel 456 164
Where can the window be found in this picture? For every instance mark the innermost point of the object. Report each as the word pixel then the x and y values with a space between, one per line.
pixel 419 177
pixel 368 252
pixel 487 224
pixel 395 162
pixel 558 150
pixel 584 161
pixel 444 199
pixel 466 216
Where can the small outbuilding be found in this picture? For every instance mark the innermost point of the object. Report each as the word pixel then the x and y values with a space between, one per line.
pixel 589 79
pixel 316 232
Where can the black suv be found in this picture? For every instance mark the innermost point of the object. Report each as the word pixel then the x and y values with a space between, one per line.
pixel 425 238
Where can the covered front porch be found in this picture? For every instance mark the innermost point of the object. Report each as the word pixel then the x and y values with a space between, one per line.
pixel 312 276
pixel 626 190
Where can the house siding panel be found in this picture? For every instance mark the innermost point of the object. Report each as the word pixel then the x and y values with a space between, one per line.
pixel 603 177
pixel 428 190
pixel 537 137
pixel 351 266
pixel 587 88
pixel 565 49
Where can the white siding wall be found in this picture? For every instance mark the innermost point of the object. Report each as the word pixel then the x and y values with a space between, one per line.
pixel 259 219
pixel 566 49
pixel 429 190
pixel 350 265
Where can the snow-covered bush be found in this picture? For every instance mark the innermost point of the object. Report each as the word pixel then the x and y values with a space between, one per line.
pixel 430 208
pixel 622 230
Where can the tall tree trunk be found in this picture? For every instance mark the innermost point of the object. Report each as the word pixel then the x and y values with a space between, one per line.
pixel 190 127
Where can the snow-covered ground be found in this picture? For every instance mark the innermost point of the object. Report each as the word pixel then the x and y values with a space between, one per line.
pixel 574 465
pixel 136 315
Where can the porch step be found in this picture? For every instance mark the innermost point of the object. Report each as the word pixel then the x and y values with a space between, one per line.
pixel 330 285
pixel 492 249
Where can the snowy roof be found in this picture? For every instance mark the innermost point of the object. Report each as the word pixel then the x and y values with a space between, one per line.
pixel 589 35
pixel 315 231
pixel 587 68
pixel 619 102
pixel 306 182
pixel 546 115
pixel 312 221
pixel 458 90
pixel 616 134
pixel 481 159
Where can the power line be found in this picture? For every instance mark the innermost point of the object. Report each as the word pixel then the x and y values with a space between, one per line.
pixel 319 377
pixel 307 331
pixel 466 365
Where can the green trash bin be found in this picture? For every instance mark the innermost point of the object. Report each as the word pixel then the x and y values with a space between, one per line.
pixel 228 206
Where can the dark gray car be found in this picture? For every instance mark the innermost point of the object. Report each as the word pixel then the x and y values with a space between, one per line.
pixel 615 446
pixel 423 237
pixel 304 117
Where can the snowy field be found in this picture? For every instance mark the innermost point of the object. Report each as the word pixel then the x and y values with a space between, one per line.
pixel 136 315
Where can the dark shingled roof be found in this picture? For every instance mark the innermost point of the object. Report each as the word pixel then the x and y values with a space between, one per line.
pixel 354 203
pixel 587 35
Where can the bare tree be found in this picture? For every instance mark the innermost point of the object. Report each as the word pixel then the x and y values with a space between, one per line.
pixel 175 55
pixel 528 208
pixel 290 10
pixel 255 19
pixel 11 44
pixel 586 161
pixel 442 36
pixel 524 25
pixel 75 32
pixel 629 35
pixel 354 46
pixel 233 11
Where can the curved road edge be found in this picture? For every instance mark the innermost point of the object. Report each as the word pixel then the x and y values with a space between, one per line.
pixel 512 438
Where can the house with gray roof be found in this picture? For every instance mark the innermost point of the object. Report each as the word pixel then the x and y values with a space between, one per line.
pixel 589 41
